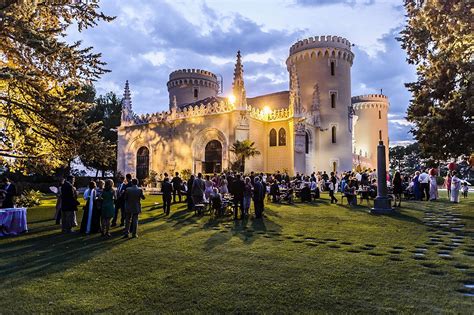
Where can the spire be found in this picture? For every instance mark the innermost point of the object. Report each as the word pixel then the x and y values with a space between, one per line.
pixel 126 103
pixel 238 88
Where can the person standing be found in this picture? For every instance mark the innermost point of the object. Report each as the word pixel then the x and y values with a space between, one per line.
pixel 238 189
pixel 120 201
pixel 416 186
pixel 424 180
pixel 197 192
pixel 397 188
pixel 258 197
pixel 447 184
pixel 57 215
pixel 69 205
pixel 247 196
pixel 455 187
pixel 90 219
pixel 177 183
pixel 167 189
pixel 433 188
pixel 331 186
pixel 108 197
pixel 189 195
pixel 9 189
pixel 132 196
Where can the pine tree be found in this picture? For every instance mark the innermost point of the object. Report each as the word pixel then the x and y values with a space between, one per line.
pixel 41 77
pixel 439 40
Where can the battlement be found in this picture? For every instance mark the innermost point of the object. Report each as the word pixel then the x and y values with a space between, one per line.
pixel 185 73
pixel 320 42
pixel 369 98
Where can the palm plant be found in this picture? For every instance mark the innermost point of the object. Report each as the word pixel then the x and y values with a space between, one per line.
pixel 243 150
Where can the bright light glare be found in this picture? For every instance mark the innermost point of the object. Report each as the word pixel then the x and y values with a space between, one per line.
pixel 232 99
pixel 267 110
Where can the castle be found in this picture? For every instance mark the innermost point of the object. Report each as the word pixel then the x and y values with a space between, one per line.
pixel 315 126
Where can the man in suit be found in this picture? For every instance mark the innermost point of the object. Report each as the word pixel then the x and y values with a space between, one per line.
pixel 120 202
pixel 9 190
pixel 167 189
pixel 238 189
pixel 198 188
pixel 132 196
pixel 177 183
pixel 258 197
pixel 69 204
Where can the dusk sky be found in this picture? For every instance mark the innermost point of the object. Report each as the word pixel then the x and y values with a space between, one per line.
pixel 151 38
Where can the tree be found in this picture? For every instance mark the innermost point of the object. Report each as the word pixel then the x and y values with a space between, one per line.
pixel 243 150
pixel 406 159
pixel 41 76
pixel 439 40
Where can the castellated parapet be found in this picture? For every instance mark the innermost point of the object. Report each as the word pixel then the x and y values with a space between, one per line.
pixel 320 42
pixel 378 101
pixel 187 86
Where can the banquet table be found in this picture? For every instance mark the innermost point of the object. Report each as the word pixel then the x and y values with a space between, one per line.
pixel 13 221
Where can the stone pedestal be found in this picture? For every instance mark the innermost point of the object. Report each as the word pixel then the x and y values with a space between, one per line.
pixel 382 204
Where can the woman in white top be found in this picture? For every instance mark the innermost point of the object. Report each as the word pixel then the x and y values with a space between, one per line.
pixel 455 187
pixel 223 185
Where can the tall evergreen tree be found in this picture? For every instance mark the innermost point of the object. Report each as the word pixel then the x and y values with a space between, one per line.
pixel 41 76
pixel 439 40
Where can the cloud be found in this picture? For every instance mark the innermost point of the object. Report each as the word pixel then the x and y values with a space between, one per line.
pixel 320 3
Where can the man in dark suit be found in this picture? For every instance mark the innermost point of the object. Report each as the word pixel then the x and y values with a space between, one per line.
pixel 197 192
pixel 9 190
pixel 120 203
pixel 167 189
pixel 69 204
pixel 133 196
pixel 258 197
pixel 238 188
pixel 177 183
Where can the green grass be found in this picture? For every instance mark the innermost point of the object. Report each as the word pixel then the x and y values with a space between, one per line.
pixel 301 258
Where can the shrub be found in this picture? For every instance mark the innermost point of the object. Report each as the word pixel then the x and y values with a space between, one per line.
pixel 29 198
pixel 439 180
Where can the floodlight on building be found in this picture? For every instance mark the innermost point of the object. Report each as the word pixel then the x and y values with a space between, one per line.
pixel 231 99
pixel 267 110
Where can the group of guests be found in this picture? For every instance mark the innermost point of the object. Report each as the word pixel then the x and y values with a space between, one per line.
pixel 7 193
pixel 104 203
pixel 217 190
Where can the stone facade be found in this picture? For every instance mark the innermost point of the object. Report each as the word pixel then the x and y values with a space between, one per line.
pixel 308 128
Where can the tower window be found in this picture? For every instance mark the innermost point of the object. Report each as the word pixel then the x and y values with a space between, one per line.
pixel 380 114
pixel 196 93
pixel 333 69
pixel 333 100
pixel 333 134
pixel 273 138
pixel 282 137
pixel 306 143
pixel 380 135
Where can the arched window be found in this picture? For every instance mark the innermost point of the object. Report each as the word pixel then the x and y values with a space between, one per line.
pixel 213 157
pixel 306 142
pixel 273 138
pixel 380 114
pixel 282 137
pixel 333 70
pixel 333 134
pixel 333 100
pixel 196 93
pixel 143 163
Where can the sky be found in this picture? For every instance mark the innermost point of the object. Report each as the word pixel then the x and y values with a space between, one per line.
pixel 151 38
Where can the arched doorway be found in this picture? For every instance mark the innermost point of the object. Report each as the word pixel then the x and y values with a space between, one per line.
pixel 213 157
pixel 143 163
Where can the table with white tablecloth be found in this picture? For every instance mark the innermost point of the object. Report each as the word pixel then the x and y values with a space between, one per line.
pixel 13 221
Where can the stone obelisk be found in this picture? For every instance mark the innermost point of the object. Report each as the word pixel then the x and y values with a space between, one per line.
pixel 382 204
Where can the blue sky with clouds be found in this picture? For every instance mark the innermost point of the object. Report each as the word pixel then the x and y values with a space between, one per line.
pixel 151 38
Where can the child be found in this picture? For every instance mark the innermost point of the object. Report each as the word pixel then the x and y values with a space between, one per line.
pixel 465 189
pixel 330 186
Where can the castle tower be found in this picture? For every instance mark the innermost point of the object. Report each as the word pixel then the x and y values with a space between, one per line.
pixel 322 66
pixel 127 111
pixel 191 85
pixel 238 87
pixel 371 125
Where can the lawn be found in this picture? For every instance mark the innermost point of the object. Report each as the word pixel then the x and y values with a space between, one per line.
pixel 301 258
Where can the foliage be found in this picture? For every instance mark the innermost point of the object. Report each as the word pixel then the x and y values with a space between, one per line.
pixel 152 178
pixel 439 40
pixel 29 198
pixel 41 77
pixel 406 159
pixel 243 150
pixel 186 174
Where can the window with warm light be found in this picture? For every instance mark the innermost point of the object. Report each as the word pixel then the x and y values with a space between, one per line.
pixel 282 137
pixel 273 138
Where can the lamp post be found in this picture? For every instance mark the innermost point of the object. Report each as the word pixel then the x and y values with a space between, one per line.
pixel 382 204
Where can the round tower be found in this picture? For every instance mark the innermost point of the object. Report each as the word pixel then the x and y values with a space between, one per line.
pixel 370 126
pixel 191 85
pixel 322 67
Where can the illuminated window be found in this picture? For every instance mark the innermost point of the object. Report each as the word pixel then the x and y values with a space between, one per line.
pixel 333 134
pixel 282 137
pixel 273 138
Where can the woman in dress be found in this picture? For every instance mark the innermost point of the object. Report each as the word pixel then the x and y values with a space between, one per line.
pixel 247 195
pixel 208 184
pixel 416 186
pixel 397 188
pixel 447 184
pixel 433 187
pixel 108 197
pixel 223 185
pixel 89 223
pixel 455 187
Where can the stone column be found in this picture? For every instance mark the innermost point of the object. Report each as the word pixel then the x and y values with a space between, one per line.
pixel 382 204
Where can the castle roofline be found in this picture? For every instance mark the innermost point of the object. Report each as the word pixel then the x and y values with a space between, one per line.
pixel 269 94
pixel 320 42
pixel 369 98
pixel 179 73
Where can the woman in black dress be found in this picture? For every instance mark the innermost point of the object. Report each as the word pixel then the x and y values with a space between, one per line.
pixel 397 188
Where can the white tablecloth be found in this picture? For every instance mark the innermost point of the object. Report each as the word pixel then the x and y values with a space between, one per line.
pixel 13 221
